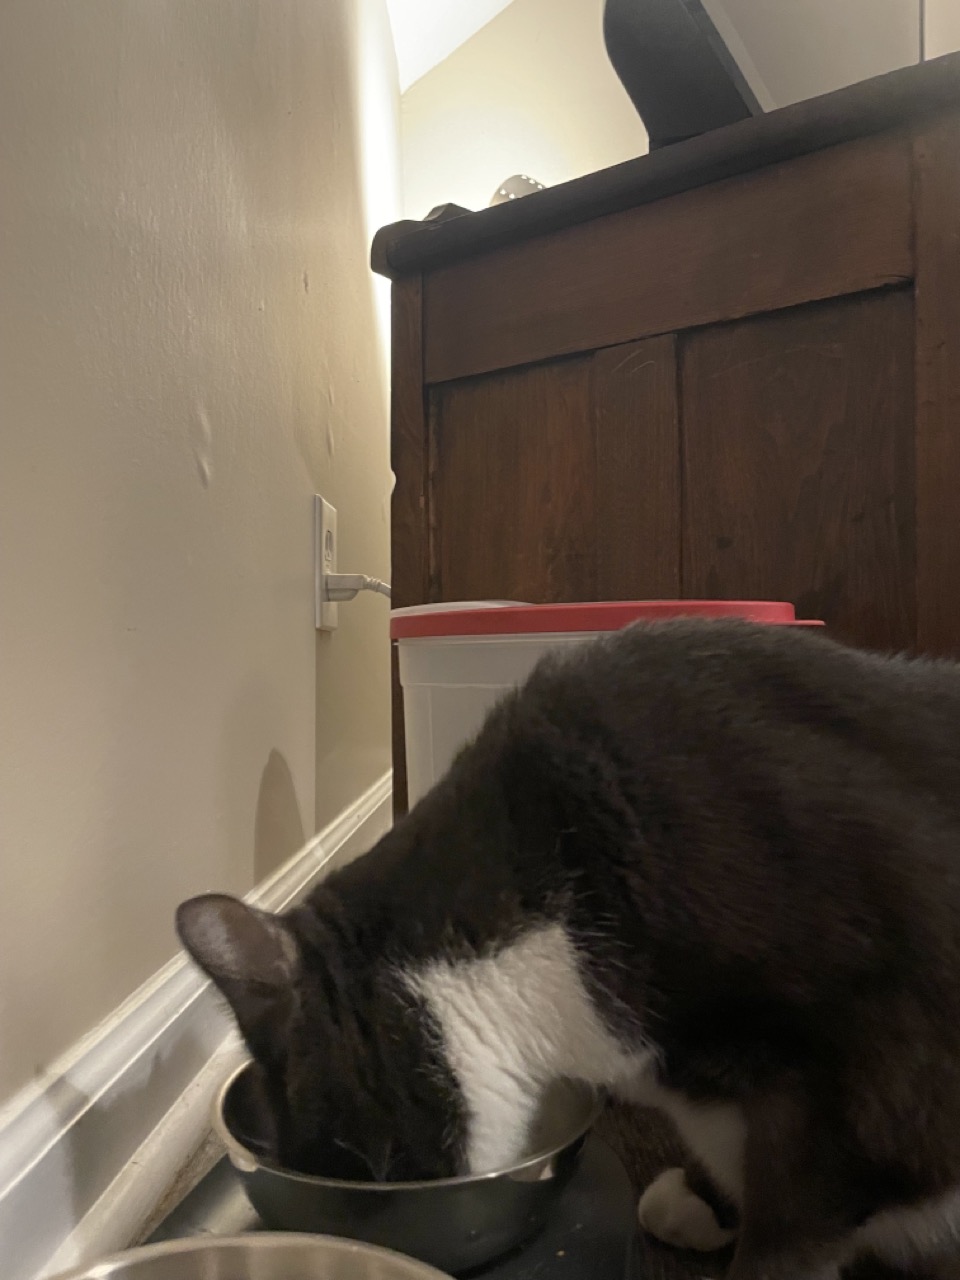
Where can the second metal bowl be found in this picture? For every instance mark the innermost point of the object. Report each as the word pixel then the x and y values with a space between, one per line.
pixel 257 1257
pixel 455 1224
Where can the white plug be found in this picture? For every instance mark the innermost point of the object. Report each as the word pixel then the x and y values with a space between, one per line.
pixel 344 586
pixel 329 587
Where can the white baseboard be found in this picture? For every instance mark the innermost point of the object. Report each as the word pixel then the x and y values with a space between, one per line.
pixel 87 1150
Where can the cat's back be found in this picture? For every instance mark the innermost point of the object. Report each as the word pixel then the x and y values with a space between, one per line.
pixel 749 724
pixel 733 772
pixel 735 678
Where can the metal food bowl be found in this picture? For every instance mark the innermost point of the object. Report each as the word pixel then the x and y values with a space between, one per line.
pixel 257 1257
pixel 455 1224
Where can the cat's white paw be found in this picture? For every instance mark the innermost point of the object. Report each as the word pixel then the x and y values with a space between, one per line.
pixel 670 1211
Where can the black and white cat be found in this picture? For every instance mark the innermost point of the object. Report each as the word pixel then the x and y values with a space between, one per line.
pixel 710 866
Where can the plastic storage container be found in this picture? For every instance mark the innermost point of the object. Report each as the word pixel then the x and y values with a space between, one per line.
pixel 457 660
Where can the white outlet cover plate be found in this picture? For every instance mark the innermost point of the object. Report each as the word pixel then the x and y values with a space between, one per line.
pixel 327 612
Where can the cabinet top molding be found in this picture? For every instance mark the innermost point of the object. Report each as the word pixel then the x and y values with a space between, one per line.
pixel 899 99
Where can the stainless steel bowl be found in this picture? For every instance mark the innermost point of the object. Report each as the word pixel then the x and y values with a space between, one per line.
pixel 257 1257
pixel 455 1224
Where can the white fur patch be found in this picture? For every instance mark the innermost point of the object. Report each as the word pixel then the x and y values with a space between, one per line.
pixel 512 1022
pixel 715 1132
pixel 670 1211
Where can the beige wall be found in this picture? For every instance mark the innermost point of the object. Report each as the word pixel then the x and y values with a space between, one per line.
pixel 943 27
pixel 189 348
pixel 532 92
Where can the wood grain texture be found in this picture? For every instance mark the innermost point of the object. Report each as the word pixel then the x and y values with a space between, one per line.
pixel 408 458
pixel 821 226
pixel 798 464
pixel 938 386
pixel 898 100
pixel 634 395
pixel 515 486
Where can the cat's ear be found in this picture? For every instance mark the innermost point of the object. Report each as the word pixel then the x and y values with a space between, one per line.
pixel 253 958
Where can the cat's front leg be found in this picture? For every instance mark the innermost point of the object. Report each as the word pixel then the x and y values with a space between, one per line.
pixel 695 1207
pixel 671 1210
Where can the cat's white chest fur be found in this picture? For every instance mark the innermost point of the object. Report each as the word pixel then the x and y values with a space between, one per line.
pixel 513 1021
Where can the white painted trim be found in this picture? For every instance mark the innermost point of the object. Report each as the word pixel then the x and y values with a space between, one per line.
pixel 87 1149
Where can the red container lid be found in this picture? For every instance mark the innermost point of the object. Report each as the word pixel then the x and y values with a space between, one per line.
pixel 540 619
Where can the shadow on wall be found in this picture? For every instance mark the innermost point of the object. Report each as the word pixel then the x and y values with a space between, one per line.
pixel 278 825
pixel 261 796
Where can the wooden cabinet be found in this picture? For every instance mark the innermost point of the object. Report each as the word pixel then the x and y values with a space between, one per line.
pixel 798 463
pixel 559 481
pixel 728 369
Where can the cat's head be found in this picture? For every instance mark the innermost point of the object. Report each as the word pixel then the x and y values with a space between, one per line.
pixel 351 1070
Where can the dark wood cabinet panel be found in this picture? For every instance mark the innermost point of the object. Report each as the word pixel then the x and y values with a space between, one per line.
pixel 635 414
pixel 514 486
pixel 938 386
pixel 408 447
pixel 409 513
pixel 824 225
pixel 559 481
pixel 798 449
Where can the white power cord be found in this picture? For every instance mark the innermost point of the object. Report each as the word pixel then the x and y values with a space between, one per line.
pixel 344 586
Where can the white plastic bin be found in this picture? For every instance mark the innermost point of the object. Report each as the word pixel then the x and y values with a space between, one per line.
pixel 457 660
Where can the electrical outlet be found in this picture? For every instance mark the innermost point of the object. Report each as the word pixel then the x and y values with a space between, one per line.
pixel 324 562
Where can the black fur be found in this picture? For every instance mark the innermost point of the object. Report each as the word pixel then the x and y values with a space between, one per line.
pixel 752 833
